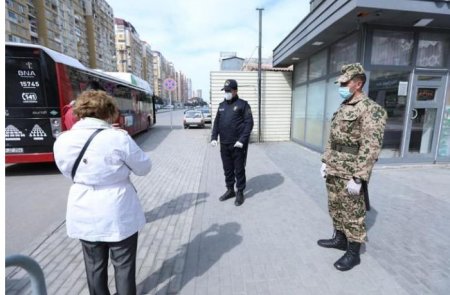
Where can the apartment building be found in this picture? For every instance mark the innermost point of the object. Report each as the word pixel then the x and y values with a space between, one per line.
pixel 128 47
pixel 147 63
pixel 73 27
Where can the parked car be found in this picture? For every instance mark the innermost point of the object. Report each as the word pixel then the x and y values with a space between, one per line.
pixel 193 118
pixel 207 115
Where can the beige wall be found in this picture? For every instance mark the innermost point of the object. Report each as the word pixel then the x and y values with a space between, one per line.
pixel 276 96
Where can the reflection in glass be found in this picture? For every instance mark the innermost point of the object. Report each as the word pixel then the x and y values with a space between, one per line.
pixel 426 94
pixel 298 124
pixel 433 50
pixel 383 88
pixel 301 72
pixel 314 113
pixel 343 52
pixel 331 105
pixel 444 140
pixel 422 130
pixel 392 48
pixel 318 65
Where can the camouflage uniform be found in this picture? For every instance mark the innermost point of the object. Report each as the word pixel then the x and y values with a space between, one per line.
pixel 356 136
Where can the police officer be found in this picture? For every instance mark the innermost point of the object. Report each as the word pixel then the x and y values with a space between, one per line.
pixel 233 123
pixel 355 140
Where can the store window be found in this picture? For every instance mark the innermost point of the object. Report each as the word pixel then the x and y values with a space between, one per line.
pixel 298 123
pixel 389 89
pixel 314 113
pixel 301 72
pixel 332 103
pixel 318 65
pixel 433 50
pixel 343 52
pixel 444 141
pixel 392 48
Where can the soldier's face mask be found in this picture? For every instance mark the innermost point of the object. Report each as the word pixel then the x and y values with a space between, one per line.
pixel 227 95
pixel 344 92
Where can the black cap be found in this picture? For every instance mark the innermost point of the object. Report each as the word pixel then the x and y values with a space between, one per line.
pixel 230 84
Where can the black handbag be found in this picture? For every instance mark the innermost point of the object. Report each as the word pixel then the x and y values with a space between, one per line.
pixel 77 161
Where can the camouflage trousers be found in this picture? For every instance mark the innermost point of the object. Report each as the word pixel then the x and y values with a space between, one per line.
pixel 347 212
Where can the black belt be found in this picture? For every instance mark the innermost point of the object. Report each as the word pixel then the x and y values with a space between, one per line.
pixel 349 149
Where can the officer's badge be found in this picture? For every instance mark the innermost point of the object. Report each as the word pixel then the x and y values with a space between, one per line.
pixel 235 108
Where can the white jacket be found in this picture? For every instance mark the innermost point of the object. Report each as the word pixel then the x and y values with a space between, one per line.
pixel 102 204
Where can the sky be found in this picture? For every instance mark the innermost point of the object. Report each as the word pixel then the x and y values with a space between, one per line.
pixel 192 33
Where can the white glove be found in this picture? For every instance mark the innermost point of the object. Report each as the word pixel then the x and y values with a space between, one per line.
pixel 323 170
pixel 238 144
pixel 213 143
pixel 353 188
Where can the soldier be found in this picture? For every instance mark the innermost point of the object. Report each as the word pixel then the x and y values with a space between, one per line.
pixel 356 136
pixel 233 123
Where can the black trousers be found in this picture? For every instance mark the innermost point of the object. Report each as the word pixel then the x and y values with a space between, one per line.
pixel 233 161
pixel 123 257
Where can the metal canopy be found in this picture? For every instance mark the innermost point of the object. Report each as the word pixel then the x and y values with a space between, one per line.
pixel 333 20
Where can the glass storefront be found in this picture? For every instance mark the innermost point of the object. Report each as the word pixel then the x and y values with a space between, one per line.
pixel 389 89
pixel 444 142
pixel 314 113
pixel 417 126
pixel 299 114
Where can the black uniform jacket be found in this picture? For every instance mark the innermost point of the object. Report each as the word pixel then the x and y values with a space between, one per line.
pixel 233 122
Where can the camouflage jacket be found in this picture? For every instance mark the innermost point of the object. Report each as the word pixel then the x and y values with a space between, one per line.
pixel 356 136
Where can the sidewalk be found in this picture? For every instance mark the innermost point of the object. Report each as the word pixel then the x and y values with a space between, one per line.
pixel 194 244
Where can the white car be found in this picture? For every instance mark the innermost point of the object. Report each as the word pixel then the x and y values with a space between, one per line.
pixel 193 118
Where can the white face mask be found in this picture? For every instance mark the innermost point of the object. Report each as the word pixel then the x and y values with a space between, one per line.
pixel 228 95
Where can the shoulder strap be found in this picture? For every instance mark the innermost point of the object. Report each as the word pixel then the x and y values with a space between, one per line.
pixel 77 161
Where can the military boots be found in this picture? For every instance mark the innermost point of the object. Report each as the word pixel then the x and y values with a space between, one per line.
pixel 350 258
pixel 239 198
pixel 228 194
pixel 339 241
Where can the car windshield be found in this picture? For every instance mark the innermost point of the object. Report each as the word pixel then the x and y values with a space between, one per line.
pixel 205 111
pixel 193 115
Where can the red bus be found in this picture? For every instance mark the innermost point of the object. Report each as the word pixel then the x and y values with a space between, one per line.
pixel 41 83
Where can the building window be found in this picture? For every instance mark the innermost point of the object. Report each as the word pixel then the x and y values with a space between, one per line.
pixel 392 48
pixel 433 50
pixel 298 124
pixel 301 72
pixel 343 52
pixel 318 65
pixel 332 103
pixel 383 88
pixel 314 113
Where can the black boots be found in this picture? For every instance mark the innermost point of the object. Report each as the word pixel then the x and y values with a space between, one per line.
pixel 350 258
pixel 228 194
pixel 239 198
pixel 339 241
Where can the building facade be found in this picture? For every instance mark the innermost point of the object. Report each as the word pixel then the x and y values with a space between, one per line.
pixel 147 63
pixel 405 52
pixel 83 29
pixel 103 50
pixel 128 48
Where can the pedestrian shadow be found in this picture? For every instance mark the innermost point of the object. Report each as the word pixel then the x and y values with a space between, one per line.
pixel 193 259
pixel 175 206
pixel 262 183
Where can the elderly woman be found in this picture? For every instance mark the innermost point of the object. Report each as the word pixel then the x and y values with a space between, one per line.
pixel 103 209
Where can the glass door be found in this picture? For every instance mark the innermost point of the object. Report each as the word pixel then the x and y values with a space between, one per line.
pixel 424 116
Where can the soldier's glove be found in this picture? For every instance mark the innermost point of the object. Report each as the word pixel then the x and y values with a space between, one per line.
pixel 323 170
pixel 238 144
pixel 213 143
pixel 353 188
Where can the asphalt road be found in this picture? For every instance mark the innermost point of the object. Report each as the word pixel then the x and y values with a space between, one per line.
pixel 36 194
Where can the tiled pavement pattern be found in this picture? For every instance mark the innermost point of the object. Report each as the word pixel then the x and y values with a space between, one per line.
pixel 194 244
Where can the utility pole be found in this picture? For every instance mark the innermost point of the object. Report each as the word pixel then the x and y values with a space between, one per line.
pixel 259 73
